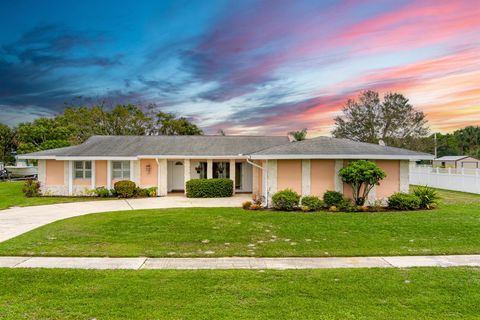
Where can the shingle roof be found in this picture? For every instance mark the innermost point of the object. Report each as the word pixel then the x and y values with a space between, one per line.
pixel 132 146
pixel 332 147
pixel 259 147
pixel 450 158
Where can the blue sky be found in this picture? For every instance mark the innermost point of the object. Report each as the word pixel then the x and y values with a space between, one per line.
pixel 249 67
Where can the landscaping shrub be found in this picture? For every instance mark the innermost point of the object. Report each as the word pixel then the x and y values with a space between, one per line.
pixel 314 203
pixel 305 208
pixel 145 192
pixel 428 197
pixel 113 192
pixel 209 188
pixel 152 191
pixel 101 192
pixel 403 201
pixel 347 206
pixel 141 192
pixel 125 188
pixel 333 198
pixel 246 205
pixel 31 188
pixel 286 200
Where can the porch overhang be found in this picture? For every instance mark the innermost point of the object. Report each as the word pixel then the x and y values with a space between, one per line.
pixel 193 157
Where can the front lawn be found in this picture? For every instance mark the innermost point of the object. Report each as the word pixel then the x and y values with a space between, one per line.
pixel 418 293
pixel 11 195
pixel 454 228
pixel 454 197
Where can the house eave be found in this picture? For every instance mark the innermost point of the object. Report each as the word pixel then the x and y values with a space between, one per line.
pixel 74 158
pixel 224 157
pixel 341 156
pixel 27 157
pixel 191 157
pixel 95 158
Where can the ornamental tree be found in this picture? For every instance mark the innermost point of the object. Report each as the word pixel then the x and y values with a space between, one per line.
pixel 394 120
pixel 362 176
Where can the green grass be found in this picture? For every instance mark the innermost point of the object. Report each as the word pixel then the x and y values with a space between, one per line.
pixel 415 293
pixel 419 293
pixel 454 228
pixel 458 197
pixel 11 196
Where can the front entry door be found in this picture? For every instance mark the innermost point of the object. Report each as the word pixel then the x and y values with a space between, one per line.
pixel 178 176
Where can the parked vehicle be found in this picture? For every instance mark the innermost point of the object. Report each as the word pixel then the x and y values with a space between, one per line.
pixel 21 170
pixel 4 174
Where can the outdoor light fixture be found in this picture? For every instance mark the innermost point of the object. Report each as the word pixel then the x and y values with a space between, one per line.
pixel 148 168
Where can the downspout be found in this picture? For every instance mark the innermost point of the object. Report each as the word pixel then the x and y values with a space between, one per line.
pixel 254 164
pixel 266 177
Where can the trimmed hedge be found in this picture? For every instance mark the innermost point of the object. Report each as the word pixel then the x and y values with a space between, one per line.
pixel 125 188
pixel 313 203
pixel 286 200
pixel 209 188
pixel 404 201
pixel 333 198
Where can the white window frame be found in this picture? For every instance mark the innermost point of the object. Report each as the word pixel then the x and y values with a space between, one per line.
pixel 124 173
pixel 86 173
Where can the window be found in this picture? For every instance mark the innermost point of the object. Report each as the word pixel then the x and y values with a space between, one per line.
pixel 121 169
pixel 201 169
pixel 221 170
pixel 82 169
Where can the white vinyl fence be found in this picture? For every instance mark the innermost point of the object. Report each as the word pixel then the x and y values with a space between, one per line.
pixel 458 179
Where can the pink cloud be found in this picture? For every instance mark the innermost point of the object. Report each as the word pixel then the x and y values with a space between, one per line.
pixel 426 83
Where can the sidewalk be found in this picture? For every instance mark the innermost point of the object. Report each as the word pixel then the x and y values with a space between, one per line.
pixel 240 262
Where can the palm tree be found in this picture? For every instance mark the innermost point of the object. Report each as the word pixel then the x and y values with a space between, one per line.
pixel 299 135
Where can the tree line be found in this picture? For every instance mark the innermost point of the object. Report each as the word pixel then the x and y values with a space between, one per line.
pixel 391 121
pixel 394 122
pixel 465 141
pixel 77 124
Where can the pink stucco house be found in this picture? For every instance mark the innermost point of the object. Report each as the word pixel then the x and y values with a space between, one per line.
pixel 260 165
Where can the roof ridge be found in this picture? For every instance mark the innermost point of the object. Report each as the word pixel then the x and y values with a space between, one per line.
pixel 179 135
pixel 336 146
pixel 375 144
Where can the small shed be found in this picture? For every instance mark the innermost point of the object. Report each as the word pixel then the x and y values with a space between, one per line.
pixel 456 162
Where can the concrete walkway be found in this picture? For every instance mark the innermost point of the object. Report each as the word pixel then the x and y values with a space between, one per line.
pixel 240 262
pixel 18 220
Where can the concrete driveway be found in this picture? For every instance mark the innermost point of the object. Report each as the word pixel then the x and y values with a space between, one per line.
pixel 18 220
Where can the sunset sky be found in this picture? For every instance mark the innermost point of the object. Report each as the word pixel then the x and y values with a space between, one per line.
pixel 248 67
